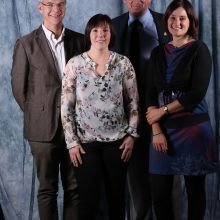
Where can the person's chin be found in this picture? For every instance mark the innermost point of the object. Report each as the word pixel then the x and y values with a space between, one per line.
pixel 137 12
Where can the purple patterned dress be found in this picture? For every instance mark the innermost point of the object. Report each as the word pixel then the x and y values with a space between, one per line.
pixel 189 135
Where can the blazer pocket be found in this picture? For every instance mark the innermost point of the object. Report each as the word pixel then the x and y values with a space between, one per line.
pixel 37 65
pixel 34 117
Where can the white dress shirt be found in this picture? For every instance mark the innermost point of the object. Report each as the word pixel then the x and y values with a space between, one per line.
pixel 57 49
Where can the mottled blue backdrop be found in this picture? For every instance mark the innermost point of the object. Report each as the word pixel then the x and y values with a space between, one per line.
pixel 18 182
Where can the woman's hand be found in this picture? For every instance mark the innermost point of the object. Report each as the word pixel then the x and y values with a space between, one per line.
pixel 154 115
pixel 160 143
pixel 127 147
pixel 75 155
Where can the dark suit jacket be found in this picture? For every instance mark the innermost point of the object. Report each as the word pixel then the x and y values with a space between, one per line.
pixel 121 27
pixel 36 84
pixel 120 24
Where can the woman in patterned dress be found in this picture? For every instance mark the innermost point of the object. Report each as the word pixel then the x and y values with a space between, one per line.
pixel 182 138
pixel 99 110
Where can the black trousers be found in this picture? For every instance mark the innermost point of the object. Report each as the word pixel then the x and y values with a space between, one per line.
pixel 138 181
pixel 1 214
pixel 161 188
pixel 102 163
pixel 51 159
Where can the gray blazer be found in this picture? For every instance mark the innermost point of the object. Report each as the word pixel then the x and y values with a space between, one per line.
pixel 36 84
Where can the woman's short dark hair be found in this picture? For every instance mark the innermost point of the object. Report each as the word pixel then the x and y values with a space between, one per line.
pixel 99 20
pixel 193 25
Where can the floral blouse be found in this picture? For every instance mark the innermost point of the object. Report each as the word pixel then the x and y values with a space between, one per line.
pixel 98 108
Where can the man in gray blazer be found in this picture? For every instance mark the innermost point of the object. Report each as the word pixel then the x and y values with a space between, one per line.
pixel 151 33
pixel 38 63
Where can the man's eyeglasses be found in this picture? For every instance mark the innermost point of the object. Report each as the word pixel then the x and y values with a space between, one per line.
pixel 50 5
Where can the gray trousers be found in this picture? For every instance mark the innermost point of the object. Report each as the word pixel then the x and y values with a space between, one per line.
pixel 52 159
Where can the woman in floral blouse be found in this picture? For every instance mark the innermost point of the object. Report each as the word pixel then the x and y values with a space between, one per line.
pixel 100 115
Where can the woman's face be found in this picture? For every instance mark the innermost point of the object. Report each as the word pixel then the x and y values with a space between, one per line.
pixel 100 37
pixel 178 23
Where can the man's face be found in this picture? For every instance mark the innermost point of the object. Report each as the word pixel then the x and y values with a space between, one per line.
pixel 53 12
pixel 137 7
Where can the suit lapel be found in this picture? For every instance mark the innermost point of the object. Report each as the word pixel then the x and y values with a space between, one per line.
pixel 162 35
pixel 122 31
pixel 45 50
pixel 68 46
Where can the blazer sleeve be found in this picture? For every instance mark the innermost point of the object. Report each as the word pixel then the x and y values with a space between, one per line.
pixel 19 73
pixel 200 77
pixel 151 90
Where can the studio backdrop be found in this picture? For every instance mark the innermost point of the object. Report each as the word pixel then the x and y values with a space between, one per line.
pixel 18 183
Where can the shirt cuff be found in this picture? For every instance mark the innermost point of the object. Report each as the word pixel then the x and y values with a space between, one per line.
pixel 132 131
pixel 72 144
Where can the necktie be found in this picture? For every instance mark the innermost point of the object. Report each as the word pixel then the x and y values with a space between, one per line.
pixel 134 51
